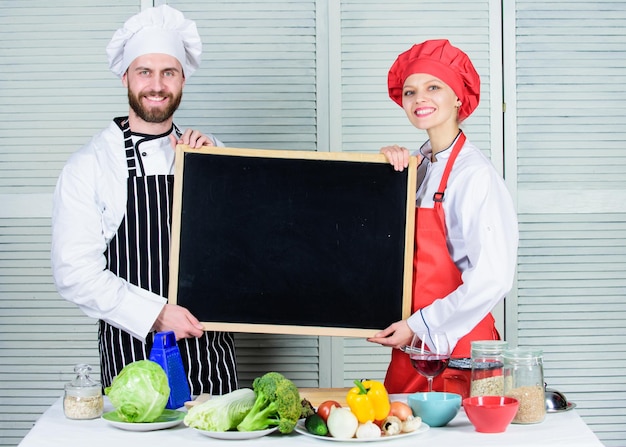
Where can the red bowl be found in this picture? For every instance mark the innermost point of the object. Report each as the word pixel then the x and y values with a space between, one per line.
pixel 490 414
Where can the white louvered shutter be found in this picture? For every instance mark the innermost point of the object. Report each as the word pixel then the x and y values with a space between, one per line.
pixel 55 93
pixel 256 87
pixel 571 159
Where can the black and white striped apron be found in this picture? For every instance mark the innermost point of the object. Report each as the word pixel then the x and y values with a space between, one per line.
pixel 139 253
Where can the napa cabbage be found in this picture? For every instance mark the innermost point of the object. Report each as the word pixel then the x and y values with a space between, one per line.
pixel 221 413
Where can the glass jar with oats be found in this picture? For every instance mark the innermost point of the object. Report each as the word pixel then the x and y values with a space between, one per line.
pixel 487 367
pixel 83 395
pixel 523 380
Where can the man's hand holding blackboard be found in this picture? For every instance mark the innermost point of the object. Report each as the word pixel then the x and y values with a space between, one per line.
pixel 192 138
pixel 178 319
pixel 397 335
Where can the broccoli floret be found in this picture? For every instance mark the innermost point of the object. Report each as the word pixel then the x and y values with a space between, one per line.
pixel 307 409
pixel 277 404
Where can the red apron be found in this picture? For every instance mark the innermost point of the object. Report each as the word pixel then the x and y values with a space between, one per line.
pixel 434 276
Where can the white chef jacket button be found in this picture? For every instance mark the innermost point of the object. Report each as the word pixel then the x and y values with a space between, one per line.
pixel 143 154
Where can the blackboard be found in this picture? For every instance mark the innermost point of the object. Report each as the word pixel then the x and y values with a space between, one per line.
pixel 276 241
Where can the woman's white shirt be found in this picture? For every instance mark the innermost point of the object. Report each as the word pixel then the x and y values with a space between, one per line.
pixel 482 237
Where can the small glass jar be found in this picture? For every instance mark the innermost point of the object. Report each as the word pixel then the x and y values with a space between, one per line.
pixel 523 380
pixel 83 396
pixel 487 367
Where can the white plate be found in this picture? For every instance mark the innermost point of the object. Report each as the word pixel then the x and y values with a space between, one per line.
pixel 303 431
pixel 168 419
pixel 236 434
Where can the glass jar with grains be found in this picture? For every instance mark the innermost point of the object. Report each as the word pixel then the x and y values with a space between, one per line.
pixel 523 380
pixel 83 396
pixel 487 364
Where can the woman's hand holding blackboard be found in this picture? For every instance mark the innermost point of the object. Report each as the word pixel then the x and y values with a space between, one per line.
pixel 398 156
pixel 178 319
pixel 397 335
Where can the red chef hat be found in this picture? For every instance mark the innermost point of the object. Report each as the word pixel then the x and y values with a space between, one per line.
pixel 444 61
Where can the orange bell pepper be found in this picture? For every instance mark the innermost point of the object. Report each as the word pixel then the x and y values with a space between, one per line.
pixel 369 401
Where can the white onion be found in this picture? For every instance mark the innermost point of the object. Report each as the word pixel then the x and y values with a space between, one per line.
pixel 342 423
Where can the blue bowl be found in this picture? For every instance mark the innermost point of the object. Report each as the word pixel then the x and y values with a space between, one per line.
pixel 436 409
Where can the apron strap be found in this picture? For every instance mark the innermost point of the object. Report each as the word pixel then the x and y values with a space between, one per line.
pixel 438 196
pixel 129 147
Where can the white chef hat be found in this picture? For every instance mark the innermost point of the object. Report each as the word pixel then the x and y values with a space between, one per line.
pixel 162 29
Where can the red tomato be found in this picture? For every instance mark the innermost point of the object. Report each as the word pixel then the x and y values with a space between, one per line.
pixel 400 410
pixel 324 408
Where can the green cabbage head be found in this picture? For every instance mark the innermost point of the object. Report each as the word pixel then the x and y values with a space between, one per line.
pixel 139 392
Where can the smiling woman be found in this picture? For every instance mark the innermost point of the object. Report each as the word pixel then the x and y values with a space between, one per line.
pixel 466 233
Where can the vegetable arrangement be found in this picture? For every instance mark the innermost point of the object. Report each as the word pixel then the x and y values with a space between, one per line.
pixel 370 415
pixel 140 393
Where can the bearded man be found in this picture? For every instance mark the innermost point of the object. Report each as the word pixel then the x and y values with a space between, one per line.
pixel 112 210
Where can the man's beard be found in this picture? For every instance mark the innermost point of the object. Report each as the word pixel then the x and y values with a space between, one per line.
pixel 154 115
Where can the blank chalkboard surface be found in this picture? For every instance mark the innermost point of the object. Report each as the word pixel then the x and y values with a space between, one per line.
pixel 292 241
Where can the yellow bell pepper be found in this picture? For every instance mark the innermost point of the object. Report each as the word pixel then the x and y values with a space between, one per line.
pixel 369 401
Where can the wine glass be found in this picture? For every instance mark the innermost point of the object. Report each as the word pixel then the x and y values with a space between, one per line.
pixel 429 353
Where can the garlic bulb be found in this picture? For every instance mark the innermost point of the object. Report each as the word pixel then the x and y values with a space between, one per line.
pixel 368 430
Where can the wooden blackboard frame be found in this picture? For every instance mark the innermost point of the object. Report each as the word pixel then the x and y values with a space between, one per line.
pixel 284 327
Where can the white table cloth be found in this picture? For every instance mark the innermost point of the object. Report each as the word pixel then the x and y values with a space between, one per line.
pixel 54 429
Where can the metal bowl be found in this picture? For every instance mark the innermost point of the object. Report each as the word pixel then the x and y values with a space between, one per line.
pixel 556 401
